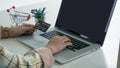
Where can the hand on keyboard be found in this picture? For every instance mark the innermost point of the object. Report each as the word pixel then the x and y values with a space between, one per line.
pixel 58 43
pixel 77 45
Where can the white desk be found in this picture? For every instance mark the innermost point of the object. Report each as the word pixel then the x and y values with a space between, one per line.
pixel 106 57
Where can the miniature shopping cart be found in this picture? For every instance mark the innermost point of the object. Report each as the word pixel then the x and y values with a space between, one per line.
pixel 17 17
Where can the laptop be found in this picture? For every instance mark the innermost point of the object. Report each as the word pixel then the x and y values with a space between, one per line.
pixel 85 22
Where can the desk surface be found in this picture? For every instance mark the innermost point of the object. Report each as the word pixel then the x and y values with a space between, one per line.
pixel 106 57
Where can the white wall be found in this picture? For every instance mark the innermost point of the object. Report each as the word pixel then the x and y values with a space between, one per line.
pixel 52 8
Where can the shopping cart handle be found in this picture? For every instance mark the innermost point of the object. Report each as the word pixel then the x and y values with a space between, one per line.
pixel 13 7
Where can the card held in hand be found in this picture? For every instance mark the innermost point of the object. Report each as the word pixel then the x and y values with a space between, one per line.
pixel 42 26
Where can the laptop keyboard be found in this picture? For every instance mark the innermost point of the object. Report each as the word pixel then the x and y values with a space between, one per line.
pixel 77 45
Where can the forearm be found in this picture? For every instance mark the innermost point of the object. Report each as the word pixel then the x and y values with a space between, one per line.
pixel 29 60
pixel 47 56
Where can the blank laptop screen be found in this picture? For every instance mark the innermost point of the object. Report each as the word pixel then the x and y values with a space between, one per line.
pixel 88 19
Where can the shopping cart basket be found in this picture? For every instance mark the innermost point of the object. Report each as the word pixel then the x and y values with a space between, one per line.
pixel 17 17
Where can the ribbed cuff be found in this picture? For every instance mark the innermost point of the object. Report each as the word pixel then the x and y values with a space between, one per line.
pixel 46 55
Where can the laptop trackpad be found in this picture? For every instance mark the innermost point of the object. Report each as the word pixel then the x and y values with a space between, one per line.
pixel 40 44
pixel 32 42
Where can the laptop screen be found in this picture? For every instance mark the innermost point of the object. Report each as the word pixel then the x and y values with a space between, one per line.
pixel 88 19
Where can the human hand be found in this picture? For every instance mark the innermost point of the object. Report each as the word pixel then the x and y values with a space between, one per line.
pixel 25 29
pixel 58 43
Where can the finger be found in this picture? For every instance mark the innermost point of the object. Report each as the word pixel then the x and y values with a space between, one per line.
pixel 29 30
pixel 66 40
pixel 68 44
pixel 28 25
pixel 64 37
pixel 57 36
pixel 28 33
pixel 32 30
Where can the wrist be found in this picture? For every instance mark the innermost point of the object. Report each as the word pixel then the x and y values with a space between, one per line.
pixel 5 32
pixel 45 49
pixel 47 56
pixel 51 48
